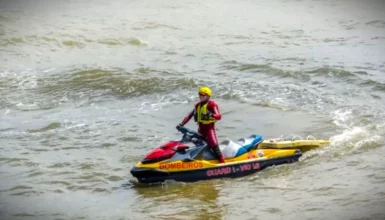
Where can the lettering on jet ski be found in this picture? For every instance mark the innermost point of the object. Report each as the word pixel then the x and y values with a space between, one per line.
pixel 181 165
pixel 218 171
pixel 234 169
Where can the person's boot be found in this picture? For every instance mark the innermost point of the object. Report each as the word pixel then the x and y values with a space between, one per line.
pixel 218 154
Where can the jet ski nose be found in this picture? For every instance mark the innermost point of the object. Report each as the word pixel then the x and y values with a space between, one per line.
pixel 139 172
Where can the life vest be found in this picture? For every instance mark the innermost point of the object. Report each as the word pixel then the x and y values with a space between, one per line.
pixel 200 113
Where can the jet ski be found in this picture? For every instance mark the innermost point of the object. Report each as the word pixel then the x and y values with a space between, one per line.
pixel 190 159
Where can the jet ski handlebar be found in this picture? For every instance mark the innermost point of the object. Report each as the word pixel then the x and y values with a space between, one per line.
pixel 188 132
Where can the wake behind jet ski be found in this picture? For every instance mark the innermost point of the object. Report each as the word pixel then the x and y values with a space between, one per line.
pixel 190 159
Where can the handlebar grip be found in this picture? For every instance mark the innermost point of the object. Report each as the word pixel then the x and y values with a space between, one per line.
pixel 185 130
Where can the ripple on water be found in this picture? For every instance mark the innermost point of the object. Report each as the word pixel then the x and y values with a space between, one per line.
pixel 27 193
pixel 130 139
pixel 24 214
pixel 64 173
pixel 35 173
pixel 114 178
pixel 87 166
pixel 57 182
pixel 60 165
pixel 51 126
pixel 273 210
pixel 18 187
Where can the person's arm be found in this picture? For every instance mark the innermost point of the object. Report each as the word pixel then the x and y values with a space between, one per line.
pixel 216 114
pixel 187 118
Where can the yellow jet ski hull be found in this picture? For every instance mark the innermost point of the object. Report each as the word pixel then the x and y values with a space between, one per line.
pixel 200 169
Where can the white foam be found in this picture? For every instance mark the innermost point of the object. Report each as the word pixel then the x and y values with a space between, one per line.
pixel 369 140
pixel 349 135
pixel 342 117
pixel 6 113
pixel 356 138
pixel 159 102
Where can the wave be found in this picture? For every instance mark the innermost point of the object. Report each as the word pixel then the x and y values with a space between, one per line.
pixel 68 41
pixel 128 41
pixel 118 83
pixel 321 76
pixel 153 25
pixel 327 71
pixel 283 96
pixel 12 41
pixel 376 23
pixel 3 18
pixel 357 139
pixel 330 72
pixel 374 84
pixel 51 126
pixel 30 91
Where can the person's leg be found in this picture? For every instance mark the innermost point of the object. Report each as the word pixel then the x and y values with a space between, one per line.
pixel 213 144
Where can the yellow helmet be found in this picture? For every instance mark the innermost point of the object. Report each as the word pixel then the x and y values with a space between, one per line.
pixel 205 90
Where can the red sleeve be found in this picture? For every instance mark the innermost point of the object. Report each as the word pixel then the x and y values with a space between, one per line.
pixel 213 107
pixel 187 118
pixel 190 115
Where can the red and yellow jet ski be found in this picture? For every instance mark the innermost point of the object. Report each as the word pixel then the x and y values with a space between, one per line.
pixel 189 159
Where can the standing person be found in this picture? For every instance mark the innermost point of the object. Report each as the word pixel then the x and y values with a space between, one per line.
pixel 206 113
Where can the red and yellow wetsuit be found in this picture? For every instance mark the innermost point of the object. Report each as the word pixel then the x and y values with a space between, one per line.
pixel 206 114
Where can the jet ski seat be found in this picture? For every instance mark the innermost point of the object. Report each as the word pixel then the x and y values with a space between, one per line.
pixel 229 148
pixel 232 149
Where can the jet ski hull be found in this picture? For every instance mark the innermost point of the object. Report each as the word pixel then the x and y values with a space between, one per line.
pixel 198 170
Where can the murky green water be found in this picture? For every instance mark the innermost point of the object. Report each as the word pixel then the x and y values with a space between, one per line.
pixel 87 88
